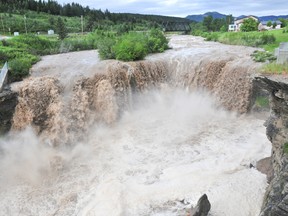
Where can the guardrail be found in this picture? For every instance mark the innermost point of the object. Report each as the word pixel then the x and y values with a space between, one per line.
pixel 3 76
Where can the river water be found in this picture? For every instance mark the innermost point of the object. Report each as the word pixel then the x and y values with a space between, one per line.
pixel 163 153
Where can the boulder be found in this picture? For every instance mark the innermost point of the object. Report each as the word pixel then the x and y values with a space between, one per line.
pixel 202 208
pixel 265 166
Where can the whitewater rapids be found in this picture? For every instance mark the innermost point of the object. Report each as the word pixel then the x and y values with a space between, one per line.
pixel 172 144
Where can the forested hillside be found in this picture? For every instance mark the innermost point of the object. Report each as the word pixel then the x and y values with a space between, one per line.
pixel 39 15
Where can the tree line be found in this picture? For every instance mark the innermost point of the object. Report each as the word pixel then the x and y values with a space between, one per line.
pixel 92 16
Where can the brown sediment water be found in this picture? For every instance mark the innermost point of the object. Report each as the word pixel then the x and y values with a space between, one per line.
pixel 95 137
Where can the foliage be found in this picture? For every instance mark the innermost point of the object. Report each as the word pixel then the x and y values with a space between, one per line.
pixel 105 48
pixel 269 23
pixel 284 22
pixel 263 56
pixel 212 36
pixel 274 68
pixel 61 29
pixel 35 11
pixel 254 39
pixel 157 42
pixel 23 51
pixel 19 68
pixel 131 46
pixel 285 148
pixel 207 22
pixel 249 24
pixel 210 24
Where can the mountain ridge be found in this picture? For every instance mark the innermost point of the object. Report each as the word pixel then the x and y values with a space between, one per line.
pixel 217 15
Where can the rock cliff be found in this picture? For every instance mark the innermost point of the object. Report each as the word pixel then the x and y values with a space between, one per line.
pixel 276 199
pixel 8 102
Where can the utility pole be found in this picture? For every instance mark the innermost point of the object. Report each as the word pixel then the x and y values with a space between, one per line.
pixel 25 24
pixel 82 24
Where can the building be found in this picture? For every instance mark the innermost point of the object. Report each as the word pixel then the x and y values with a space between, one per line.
pixel 238 22
pixel 263 25
pixel 50 32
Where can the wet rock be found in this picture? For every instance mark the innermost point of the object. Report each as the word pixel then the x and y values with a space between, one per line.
pixel 8 102
pixel 202 208
pixel 275 202
pixel 265 166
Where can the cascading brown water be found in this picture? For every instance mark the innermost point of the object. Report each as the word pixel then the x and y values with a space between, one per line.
pixel 133 138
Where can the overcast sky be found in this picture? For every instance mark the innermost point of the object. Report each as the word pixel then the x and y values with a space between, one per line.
pixel 182 8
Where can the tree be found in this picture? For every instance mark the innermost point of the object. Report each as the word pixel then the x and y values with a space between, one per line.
pixel 61 29
pixel 284 22
pixel 274 25
pixel 208 22
pixel 269 23
pixel 249 24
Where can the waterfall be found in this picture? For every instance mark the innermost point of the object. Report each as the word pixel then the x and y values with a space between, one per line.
pixel 135 138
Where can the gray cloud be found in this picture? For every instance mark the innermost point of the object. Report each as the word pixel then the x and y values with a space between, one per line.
pixel 183 8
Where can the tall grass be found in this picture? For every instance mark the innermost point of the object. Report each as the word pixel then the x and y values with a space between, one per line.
pixel 254 39
pixel 274 68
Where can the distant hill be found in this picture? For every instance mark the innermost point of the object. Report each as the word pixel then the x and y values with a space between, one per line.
pixel 215 15
pixel 200 17
pixel 272 18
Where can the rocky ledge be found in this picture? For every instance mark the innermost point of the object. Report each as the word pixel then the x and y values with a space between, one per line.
pixel 8 102
pixel 276 199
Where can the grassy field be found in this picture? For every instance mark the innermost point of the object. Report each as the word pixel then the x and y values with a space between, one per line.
pixel 268 40
pixel 280 37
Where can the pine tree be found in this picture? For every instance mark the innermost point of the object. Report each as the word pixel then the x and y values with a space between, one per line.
pixel 61 29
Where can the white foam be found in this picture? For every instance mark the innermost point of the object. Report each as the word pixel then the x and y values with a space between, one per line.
pixel 172 146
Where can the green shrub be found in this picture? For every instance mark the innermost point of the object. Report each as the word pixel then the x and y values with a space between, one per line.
pixel 157 42
pixel 131 46
pixel 262 56
pixel 212 36
pixel 19 68
pixel 105 48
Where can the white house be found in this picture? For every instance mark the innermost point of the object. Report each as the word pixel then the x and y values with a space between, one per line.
pixel 238 22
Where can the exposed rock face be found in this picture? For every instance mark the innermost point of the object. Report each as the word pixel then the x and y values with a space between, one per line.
pixel 265 166
pixel 8 102
pixel 276 199
pixel 202 208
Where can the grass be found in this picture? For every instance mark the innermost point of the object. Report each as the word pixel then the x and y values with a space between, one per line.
pixel 274 68
pixel 280 37
pixel 267 40
pixel 285 148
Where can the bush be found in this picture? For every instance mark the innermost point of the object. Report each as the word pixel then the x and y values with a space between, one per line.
pixel 19 68
pixel 262 56
pixel 131 46
pixel 157 42
pixel 212 36
pixel 105 48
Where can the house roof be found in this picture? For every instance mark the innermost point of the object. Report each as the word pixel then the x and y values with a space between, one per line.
pixel 246 17
pixel 277 22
